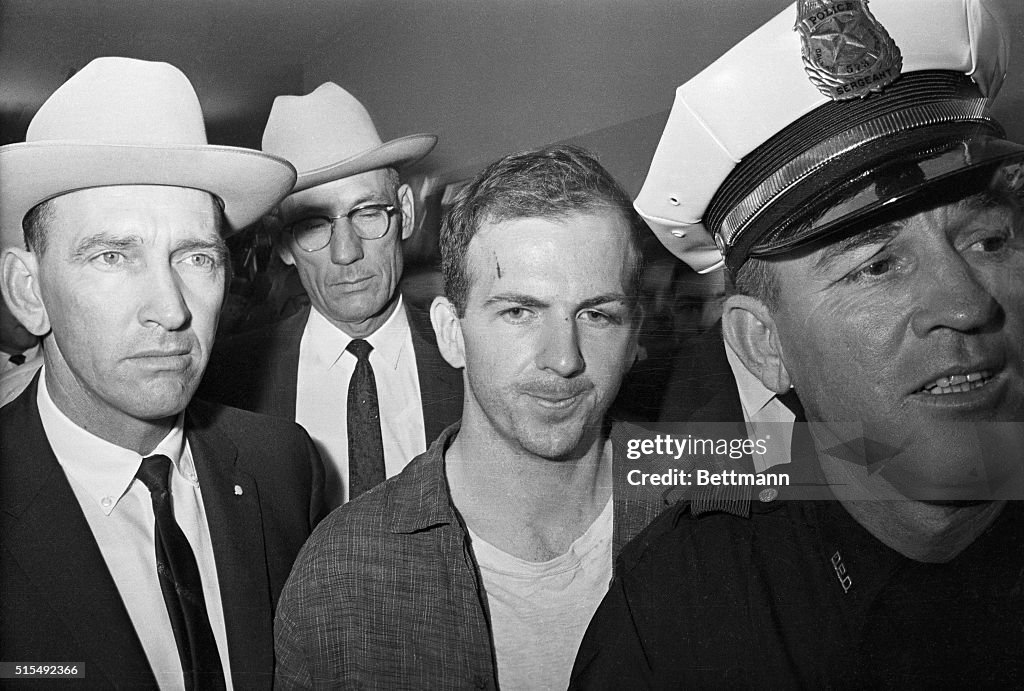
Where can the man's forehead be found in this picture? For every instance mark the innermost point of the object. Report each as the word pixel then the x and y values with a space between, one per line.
pixel 133 207
pixel 580 251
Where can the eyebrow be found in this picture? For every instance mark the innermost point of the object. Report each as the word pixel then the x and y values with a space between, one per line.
pixel 107 241
pixel 217 247
pixel 530 301
pixel 834 252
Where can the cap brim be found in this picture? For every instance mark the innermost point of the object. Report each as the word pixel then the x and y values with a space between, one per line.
pixel 249 183
pixel 914 170
pixel 396 153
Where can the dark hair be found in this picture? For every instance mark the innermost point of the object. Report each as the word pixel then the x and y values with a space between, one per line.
pixel 34 226
pixel 552 182
pixel 756 278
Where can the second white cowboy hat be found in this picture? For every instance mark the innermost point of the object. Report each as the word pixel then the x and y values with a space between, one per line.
pixel 120 121
pixel 328 135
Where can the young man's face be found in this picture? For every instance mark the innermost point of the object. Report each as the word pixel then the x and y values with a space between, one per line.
pixel 132 281
pixel 549 329
pixel 913 329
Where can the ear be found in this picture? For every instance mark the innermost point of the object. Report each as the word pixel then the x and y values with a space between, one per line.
pixel 284 250
pixel 448 329
pixel 19 276
pixel 750 331
pixel 407 202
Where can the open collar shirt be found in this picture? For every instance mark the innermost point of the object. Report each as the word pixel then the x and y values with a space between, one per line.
pixel 387 592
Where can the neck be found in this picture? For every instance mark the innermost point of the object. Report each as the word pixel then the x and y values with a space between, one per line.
pixel 140 436
pixel 527 505
pixel 919 530
pixel 368 326
pixel 925 532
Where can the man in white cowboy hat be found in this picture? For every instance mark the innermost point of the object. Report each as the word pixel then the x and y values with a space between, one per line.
pixel 869 212
pixel 359 369
pixel 144 536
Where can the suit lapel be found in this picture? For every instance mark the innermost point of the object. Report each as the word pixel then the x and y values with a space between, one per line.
pixel 279 393
pixel 46 533
pixel 440 383
pixel 231 500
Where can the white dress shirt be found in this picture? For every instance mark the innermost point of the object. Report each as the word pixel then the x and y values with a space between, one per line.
pixel 321 398
pixel 119 511
pixel 764 414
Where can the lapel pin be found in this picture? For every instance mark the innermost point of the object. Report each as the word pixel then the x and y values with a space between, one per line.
pixel 238 490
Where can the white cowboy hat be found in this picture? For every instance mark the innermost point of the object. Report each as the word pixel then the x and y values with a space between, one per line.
pixel 120 121
pixel 328 135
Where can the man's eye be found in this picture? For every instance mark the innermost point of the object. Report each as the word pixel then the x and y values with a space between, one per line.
pixel 875 269
pixel 110 258
pixel 595 317
pixel 201 261
pixel 991 243
pixel 515 314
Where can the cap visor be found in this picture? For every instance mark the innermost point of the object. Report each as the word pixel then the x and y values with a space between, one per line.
pixel 915 171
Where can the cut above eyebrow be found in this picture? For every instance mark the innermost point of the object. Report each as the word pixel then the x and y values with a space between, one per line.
pixel 832 253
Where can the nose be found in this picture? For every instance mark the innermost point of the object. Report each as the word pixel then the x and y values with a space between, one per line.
pixel 346 246
pixel 560 348
pixel 164 301
pixel 955 297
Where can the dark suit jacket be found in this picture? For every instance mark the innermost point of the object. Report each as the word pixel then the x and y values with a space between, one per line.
pixel 58 602
pixel 258 371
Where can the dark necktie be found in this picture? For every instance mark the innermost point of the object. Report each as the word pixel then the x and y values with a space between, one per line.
pixel 365 444
pixel 18 359
pixel 802 445
pixel 181 585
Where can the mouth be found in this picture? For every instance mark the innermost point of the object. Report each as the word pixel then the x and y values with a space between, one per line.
pixel 554 399
pixel 958 383
pixel 176 352
pixel 352 281
pixel 177 359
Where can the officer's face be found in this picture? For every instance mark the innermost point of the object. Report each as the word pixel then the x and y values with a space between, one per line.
pixel 912 328
pixel 549 329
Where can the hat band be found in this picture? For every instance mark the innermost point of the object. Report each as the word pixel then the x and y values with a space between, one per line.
pixel 827 151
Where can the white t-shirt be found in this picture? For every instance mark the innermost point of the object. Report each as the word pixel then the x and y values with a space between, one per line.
pixel 540 610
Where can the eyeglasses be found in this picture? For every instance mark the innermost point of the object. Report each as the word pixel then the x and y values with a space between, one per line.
pixel 368 222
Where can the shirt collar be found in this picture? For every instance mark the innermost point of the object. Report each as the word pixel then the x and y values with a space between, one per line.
pixel 103 469
pixel 329 342
pixel 754 395
pixel 431 503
